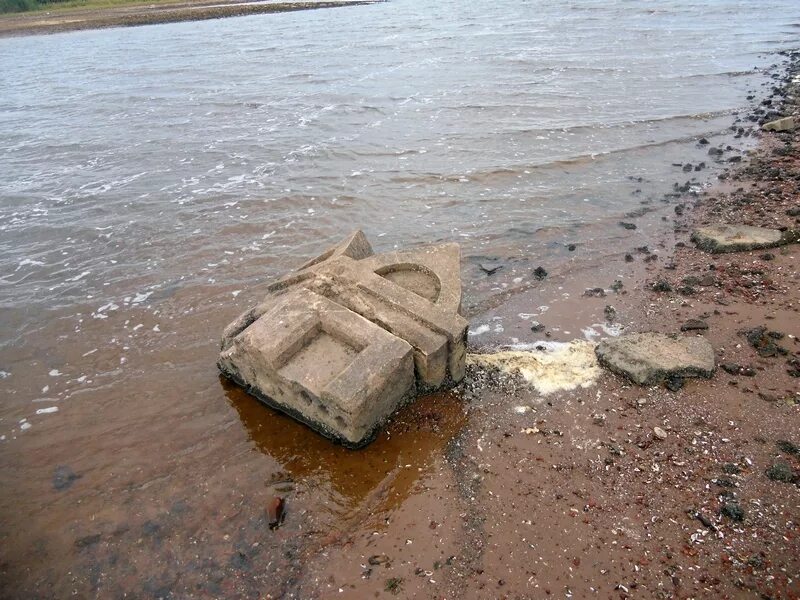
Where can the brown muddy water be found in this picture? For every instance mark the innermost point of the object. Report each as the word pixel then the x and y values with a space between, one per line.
pixel 153 179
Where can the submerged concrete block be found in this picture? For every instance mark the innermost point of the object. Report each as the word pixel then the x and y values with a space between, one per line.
pixel 345 340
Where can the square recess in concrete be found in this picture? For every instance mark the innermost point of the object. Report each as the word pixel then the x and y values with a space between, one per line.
pixel 317 363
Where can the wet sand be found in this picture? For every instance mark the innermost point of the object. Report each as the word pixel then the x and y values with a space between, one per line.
pixel 463 495
pixel 73 19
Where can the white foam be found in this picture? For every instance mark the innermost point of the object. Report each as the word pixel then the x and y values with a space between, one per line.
pixel 480 330
pixel 25 262
pixel 609 329
pixel 139 297
pixel 548 366
pixel 78 277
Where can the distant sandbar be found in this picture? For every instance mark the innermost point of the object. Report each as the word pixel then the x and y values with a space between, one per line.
pixel 72 19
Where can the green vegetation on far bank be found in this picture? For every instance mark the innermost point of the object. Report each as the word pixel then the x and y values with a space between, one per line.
pixel 11 6
pixel 17 6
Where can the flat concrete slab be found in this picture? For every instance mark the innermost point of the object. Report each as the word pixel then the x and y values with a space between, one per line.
pixel 784 124
pixel 736 238
pixel 650 358
pixel 350 336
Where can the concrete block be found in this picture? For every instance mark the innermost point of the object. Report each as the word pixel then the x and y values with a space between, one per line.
pixel 784 124
pixel 736 238
pixel 412 297
pixel 324 365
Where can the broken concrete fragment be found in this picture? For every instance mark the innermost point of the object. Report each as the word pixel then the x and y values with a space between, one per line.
pixel 650 358
pixel 737 238
pixel 341 343
pixel 784 124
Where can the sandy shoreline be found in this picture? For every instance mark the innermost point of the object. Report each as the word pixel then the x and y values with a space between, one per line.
pixel 574 494
pixel 43 22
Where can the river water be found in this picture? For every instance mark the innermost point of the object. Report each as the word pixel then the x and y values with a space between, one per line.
pixel 152 178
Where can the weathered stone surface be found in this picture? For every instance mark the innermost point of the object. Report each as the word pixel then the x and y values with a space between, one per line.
pixel 736 238
pixel 650 358
pixel 784 124
pixel 350 336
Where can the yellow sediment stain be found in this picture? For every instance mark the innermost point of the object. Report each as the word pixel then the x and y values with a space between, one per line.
pixel 548 366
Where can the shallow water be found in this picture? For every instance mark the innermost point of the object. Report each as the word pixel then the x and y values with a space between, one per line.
pixel 151 178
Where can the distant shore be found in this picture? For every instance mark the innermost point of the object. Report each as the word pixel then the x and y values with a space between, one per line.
pixel 73 19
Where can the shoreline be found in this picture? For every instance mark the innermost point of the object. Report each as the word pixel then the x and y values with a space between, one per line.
pixel 617 490
pixel 495 490
pixel 77 19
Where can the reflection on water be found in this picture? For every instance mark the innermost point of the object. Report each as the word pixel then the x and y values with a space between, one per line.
pixel 385 471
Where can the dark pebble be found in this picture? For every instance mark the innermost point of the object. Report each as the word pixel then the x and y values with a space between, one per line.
pixel 627 225
pixel 780 471
pixel 539 273
pixel 490 270
pixel 662 285
pixel 707 280
pixel 674 383
pixel 788 447
pixel 610 313
pixel 151 528
pixel 694 325
pixel 89 540
pixel 63 478
pixel 276 507
pixel 733 511
pixel 595 293
pixel 735 369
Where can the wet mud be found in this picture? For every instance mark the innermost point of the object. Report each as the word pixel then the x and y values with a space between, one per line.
pixel 493 490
